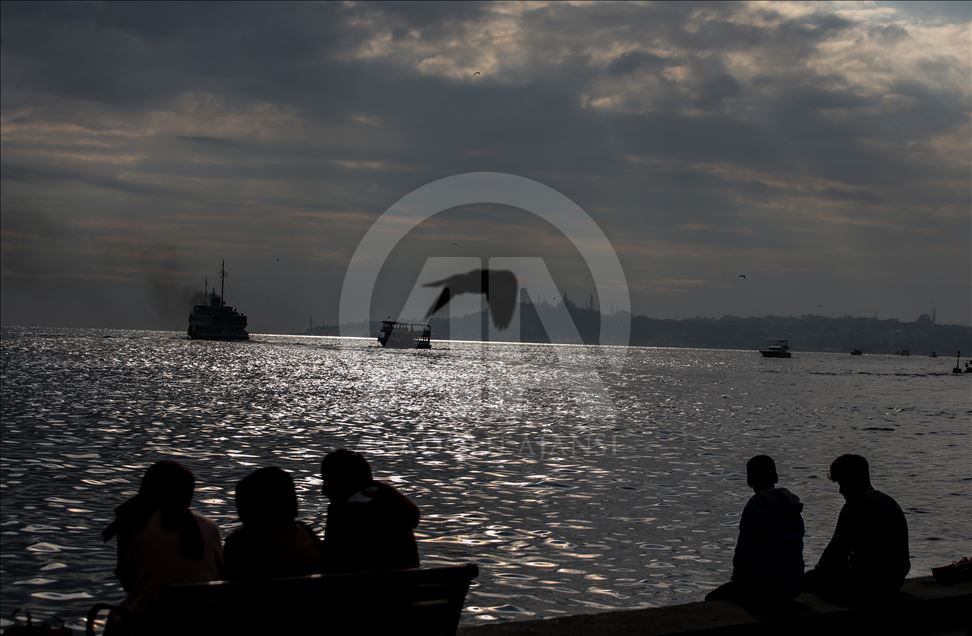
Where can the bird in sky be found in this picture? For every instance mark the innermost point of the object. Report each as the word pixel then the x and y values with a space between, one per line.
pixel 499 286
pixel 742 276
pixel 476 73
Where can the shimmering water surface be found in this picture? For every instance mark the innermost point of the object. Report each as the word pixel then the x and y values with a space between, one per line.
pixel 578 478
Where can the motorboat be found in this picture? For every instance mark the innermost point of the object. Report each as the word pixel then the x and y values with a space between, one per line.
pixel 779 349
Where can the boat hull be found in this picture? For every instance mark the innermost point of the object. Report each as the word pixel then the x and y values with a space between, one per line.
pixel 219 336
pixel 217 323
pixel 405 345
pixel 776 354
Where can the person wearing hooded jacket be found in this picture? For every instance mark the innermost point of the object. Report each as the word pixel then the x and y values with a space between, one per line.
pixel 369 524
pixel 768 562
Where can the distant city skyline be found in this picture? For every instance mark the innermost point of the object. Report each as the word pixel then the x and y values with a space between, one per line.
pixel 742 159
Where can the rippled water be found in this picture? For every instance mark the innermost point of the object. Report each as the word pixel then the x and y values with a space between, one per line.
pixel 578 478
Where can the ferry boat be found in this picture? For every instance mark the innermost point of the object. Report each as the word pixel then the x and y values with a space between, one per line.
pixel 217 320
pixel 780 349
pixel 403 335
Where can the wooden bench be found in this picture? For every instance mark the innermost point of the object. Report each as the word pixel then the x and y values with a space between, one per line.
pixel 416 601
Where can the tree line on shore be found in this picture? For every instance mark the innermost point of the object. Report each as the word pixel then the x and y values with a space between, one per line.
pixel 807 332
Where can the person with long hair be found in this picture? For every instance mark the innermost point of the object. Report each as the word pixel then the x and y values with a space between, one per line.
pixel 160 542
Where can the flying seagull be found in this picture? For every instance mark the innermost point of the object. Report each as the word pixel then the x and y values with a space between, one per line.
pixel 742 276
pixel 500 287
pixel 476 73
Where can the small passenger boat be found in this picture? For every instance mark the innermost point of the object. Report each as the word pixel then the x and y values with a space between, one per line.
pixel 403 335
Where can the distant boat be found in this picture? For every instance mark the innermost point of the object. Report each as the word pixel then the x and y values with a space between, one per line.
pixel 857 352
pixel 217 320
pixel 933 354
pixel 403 335
pixel 903 352
pixel 780 349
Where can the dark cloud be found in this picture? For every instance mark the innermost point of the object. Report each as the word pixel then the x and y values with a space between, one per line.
pixel 253 129
pixel 438 16
pixel 124 54
pixel 632 61
pixel 207 140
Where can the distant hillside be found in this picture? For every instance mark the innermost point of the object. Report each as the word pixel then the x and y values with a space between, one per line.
pixel 805 333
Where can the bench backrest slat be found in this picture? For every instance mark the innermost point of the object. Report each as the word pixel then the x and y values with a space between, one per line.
pixel 417 601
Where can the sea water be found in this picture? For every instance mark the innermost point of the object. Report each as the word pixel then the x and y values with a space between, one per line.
pixel 578 478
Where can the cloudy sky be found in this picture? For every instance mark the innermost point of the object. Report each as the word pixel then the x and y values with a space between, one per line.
pixel 821 149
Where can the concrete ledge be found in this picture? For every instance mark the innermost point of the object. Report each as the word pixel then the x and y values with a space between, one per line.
pixel 922 607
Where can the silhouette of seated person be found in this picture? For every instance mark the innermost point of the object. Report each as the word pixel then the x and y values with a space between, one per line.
pixel 768 562
pixel 160 542
pixel 867 557
pixel 272 542
pixel 369 523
